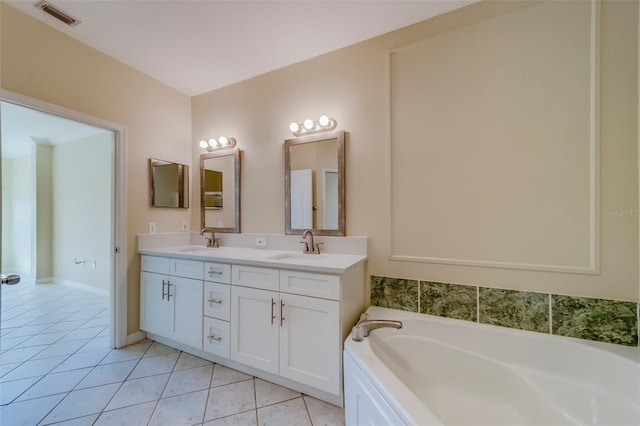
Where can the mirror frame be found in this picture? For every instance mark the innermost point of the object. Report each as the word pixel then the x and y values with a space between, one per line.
pixel 339 135
pixel 183 184
pixel 236 184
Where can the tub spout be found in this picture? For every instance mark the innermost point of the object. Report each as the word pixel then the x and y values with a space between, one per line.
pixel 363 327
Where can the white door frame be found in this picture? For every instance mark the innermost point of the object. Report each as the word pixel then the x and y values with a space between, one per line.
pixel 118 293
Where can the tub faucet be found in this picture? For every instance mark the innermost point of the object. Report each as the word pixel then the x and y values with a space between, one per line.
pixel 362 329
pixel 212 241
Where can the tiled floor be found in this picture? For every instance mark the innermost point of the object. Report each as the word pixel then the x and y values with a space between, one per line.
pixel 56 367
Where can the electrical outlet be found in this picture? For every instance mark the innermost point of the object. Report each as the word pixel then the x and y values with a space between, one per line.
pixel 185 226
pixel 261 242
pixel 152 227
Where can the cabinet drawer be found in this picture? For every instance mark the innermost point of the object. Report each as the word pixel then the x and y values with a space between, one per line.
pixel 217 300
pixel 310 284
pixel 159 265
pixel 187 268
pixel 218 272
pixel 252 276
pixel 216 335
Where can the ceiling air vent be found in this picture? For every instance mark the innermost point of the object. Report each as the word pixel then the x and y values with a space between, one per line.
pixel 57 13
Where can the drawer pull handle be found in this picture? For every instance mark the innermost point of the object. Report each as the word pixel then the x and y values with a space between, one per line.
pixel 169 291
pixel 281 312
pixel 273 304
pixel 213 300
pixel 212 272
pixel 163 293
pixel 213 337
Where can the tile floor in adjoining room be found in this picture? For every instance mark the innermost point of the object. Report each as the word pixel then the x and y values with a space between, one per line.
pixel 56 367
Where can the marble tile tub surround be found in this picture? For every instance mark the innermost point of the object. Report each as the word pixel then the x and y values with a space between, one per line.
pixel 601 320
pixel 336 245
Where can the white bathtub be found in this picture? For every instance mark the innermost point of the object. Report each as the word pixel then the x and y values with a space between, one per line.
pixel 449 372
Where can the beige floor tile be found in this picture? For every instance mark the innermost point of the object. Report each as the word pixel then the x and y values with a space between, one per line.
pixel 288 413
pixel 189 361
pixel 82 403
pixel 137 391
pixel 135 415
pixel 187 409
pixel 324 414
pixel 154 365
pixel 230 399
pixel 224 376
pixel 248 418
pixel 108 373
pixel 268 393
pixel 186 381
pixel 52 384
pixel 28 413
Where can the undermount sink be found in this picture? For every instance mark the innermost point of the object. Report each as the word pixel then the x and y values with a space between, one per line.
pixel 193 249
pixel 291 256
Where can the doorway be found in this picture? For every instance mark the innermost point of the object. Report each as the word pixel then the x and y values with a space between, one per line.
pixel 62 214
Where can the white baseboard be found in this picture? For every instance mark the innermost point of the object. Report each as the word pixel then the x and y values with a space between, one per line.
pixel 46 280
pixel 135 337
pixel 85 287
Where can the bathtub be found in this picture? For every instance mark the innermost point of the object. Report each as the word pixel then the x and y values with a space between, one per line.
pixel 439 371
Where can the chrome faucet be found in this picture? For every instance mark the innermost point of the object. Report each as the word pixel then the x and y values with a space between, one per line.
pixel 212 241
pixel 309 247
pixel 365 325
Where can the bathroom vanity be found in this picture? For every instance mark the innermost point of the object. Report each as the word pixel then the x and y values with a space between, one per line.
pixel 279 315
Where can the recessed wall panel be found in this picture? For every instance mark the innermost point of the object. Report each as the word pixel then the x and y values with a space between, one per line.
pixel 494 142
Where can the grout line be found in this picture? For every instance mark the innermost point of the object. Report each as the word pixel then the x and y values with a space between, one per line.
pixel 550 314
pixel 478 304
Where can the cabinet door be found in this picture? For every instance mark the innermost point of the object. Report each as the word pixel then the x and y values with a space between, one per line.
pixel 254 328
pixel 310 347
pixel 186 296
pixel 155 309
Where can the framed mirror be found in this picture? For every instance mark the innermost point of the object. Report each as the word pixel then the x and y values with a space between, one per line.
pixel 314 183
pixel 220 190
pixel 169 184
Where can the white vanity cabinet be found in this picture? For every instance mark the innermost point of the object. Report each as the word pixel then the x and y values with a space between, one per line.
pixel 282 323
pixel 217 309
pixel 171 299
pixel 292 335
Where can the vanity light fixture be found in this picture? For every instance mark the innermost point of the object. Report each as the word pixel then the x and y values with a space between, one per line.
pixel 324 123
pixel 220 143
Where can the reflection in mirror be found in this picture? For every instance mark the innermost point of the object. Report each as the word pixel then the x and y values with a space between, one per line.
pixel 220 190
pixel 314 184
pixel 169 184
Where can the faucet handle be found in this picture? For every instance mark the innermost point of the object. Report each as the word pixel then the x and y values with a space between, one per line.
pixel 306 246
pixel 318 247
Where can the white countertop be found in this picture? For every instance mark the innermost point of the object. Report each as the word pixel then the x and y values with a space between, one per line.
pixel 323 262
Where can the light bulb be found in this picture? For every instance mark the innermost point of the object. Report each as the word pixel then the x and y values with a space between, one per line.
pixel 213 143
pixel 223 141
pixel 203 144
pixel 294 127
pixel 308 124
pixel 324 120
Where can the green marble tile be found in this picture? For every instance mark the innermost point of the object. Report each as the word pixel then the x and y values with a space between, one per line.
pixel 595 319
pixel 395 293
pixel 516 309
pixel 448 300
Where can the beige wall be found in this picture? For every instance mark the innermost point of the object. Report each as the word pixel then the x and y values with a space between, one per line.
pixel 351 85
pixel 83 210
pixel 42 63
pixel 42 260
pixel 17 210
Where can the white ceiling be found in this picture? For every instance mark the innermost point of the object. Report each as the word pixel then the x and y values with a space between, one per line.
pixel 198 46
pixel 22 127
